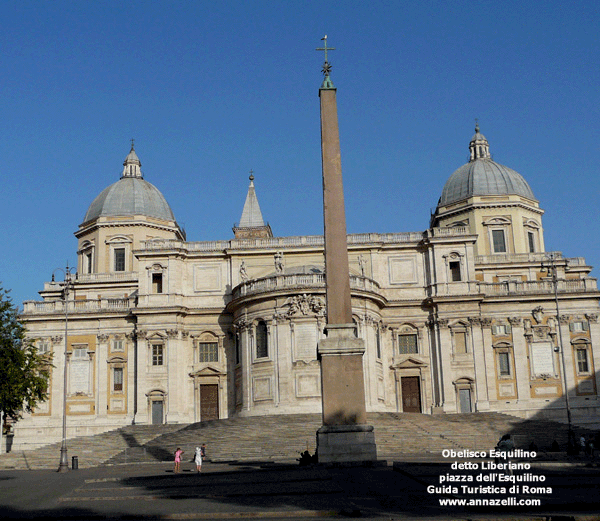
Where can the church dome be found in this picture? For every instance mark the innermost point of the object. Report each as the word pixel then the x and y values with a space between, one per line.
pixel 131 195
pixel 483 176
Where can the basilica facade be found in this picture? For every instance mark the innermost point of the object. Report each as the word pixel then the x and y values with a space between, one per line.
pixel 469 315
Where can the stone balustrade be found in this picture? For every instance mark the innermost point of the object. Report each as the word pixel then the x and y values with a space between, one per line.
pixel 299 281
pixel 528 287
pixel 299 241
pixel 507 258
pixel 78 306
pixel 120 276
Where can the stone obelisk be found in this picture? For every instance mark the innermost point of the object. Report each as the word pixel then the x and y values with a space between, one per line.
pixel 344 436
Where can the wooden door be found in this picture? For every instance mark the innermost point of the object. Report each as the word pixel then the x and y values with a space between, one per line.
pixel 411 394
pixel 209 402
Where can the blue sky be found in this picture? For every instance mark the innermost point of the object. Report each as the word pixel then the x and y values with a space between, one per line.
pixel 210 90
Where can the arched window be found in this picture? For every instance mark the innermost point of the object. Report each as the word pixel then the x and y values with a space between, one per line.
pixel 262 340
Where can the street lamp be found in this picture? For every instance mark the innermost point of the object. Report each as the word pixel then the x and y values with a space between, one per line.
pixel 550 266
pixel 66 285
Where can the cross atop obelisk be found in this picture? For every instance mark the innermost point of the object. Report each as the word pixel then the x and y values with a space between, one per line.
pixel 344 435
pixel 327 83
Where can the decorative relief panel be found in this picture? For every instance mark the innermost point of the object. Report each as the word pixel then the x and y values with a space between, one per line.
pixel 302 305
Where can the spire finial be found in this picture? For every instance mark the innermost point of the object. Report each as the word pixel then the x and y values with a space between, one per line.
pixel 251 175
pixel 476 125
pixel 132 140
pixel 327 83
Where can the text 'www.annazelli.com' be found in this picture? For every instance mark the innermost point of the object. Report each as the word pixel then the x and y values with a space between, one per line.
pixel 490 502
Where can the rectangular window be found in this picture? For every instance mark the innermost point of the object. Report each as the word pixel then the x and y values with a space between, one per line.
pixel 88 262
pixel 79 353
pixel 407 344
pixel 118 345
pixel 157 354
pixel 43 348
pixel 237 348
pixel 501 329
pixel 498 241
pixel 157 283
pixel 582 361
pixel 119 259
pixel 504 364
pixel 378 337
pixel 579 327
pixel 531 239
pixel 262 347
pixel 118 379
pixel 208 352
pixel 455 271
pixel 460 342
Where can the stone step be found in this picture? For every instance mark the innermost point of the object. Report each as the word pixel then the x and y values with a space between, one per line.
pixel 283 438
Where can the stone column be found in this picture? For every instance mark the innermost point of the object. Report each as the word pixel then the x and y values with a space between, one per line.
pixel 521 357
pixel 344 437
pixel 480 345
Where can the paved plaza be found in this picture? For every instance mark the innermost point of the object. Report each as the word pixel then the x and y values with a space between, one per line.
pixel 258 491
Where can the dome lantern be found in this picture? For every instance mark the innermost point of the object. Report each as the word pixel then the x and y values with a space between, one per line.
pixel 479 146
pixel 132 166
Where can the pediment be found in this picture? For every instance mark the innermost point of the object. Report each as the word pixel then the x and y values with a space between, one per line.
pixel 206 371
pixel 410 363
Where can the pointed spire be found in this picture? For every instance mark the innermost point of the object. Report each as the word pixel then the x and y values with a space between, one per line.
pixel 132 166
pixel 252 223
pixel 251 214
pixel 479 146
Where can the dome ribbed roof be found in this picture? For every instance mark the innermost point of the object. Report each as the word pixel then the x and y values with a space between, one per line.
pixel 131 195
pixel 483 176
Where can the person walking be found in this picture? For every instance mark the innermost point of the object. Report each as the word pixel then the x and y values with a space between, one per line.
pixel 198 459
pixel 178 454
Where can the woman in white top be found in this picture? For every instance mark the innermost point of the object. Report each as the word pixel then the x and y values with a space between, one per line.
pixel 198 458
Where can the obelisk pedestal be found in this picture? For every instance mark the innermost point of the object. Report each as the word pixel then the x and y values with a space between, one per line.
pixel 345 436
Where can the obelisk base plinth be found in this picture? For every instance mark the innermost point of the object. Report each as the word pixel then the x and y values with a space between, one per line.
pixel 346 444
pixel 345 437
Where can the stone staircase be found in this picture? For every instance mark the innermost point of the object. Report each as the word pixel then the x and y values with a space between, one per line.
pixel 90 450
pixel 282 438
